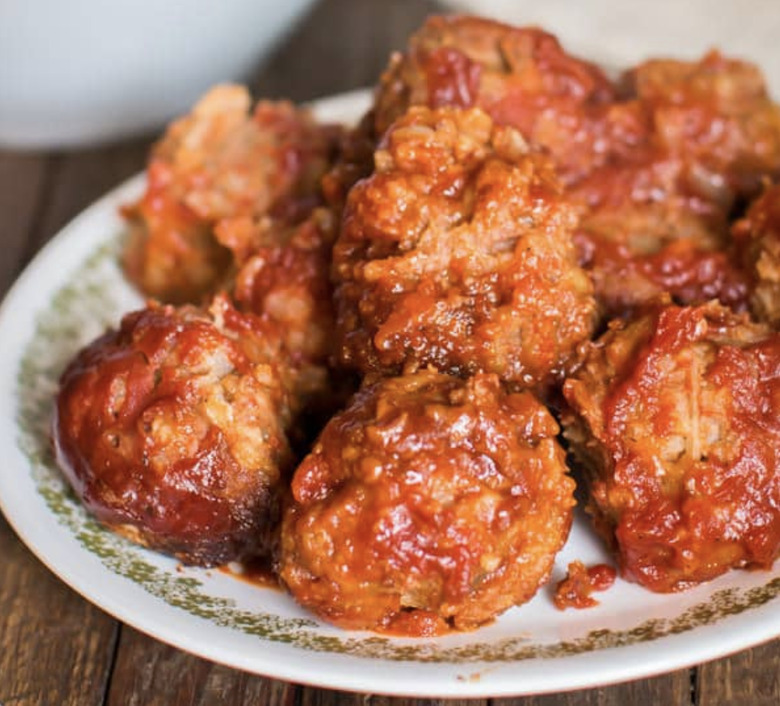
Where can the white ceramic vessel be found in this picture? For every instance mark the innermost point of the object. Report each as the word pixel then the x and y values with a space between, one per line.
pixel 85 71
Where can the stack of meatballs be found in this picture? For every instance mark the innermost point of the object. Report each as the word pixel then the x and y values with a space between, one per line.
pixel 369 350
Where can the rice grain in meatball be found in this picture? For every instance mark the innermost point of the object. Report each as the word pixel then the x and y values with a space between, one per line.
pixel 429 502
pixel 676 418
pixel 457 252
pixel 172 431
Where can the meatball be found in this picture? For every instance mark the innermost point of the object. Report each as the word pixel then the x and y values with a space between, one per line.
pixel 656 162
pixel 640 236
pixel 758 240
pixel 283 273
pixel 520 76
pixel 457 253
pixel 283 277
pixel 717 115
pixel 220 162
pixel 429 502
pixel 675 420
pixel 655 218
pixel 172 431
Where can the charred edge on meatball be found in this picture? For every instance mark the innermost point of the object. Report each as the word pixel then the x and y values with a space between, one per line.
pixel 172 431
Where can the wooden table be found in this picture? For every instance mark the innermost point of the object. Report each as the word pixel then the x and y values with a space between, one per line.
pixel 55 648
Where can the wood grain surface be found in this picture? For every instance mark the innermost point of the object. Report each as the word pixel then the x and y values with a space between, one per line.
pixel 58 650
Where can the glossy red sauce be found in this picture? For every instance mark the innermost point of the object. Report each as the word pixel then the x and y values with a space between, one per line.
pixel 405 509
pixel 581 581
pixel 714 507
pixel 453 79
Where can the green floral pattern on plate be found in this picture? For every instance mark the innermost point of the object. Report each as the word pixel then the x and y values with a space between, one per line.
pixel 82 309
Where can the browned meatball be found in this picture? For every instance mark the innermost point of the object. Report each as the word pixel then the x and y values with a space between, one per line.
pixel 457 252
pixel 676 418
pixel 221 161
pixel 655 218
pixel 519 75
pixel 758 240
pixel 641 235
pixel 283 277
pixel 284 274
pixel 172 431
pixel 715 113
pixel 430 501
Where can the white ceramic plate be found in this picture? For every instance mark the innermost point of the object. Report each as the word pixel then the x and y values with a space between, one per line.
pixel 69 293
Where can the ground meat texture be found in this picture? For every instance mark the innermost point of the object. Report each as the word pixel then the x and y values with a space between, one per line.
pixel 171 431
pixel 429 502
pixel 675 420
pixel 519 75
pixel 758 240
pixel 657 161
pixel 283 274
pixel 457 253
pixel 220 161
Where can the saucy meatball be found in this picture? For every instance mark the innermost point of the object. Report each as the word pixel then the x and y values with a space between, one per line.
pixel 656 161
pixel 758 240
pixel 457 252
pixel 641 236
pixel 283 273
pixel 519 75
pixel 715 113
pixel 221 161
pixel 675 420
pixel 283 277
pixel 655 218
pixel 430 502
pixel 172 431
